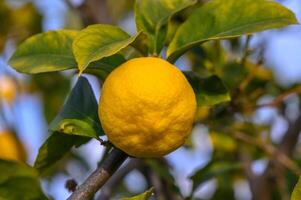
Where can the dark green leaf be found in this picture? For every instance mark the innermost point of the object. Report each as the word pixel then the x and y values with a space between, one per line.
pixel 79 115
pixel 152 18
pixel 209 90
pixel 144 196
pixel 99 41
pixel 105 66
pixel 221 19
pixel 212 170
pixel 55 148
pixel 296 195
pixel 19 181
pixel 45 52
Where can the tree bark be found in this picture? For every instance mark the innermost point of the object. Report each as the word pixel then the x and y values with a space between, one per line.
pixel 99 177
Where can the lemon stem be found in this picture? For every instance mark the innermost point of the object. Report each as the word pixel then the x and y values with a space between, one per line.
pixel 100 176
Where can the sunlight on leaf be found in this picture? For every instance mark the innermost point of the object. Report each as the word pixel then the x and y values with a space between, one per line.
pixel 99 41
pixel 219 19
pixel 152 17
pixel 144 196
pixel 45 52
pixel 296 195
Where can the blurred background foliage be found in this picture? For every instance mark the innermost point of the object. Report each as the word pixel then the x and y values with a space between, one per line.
pixel 246 148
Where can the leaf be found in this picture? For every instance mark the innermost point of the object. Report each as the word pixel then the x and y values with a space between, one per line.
pixel 105 66
pixel 144 196
pixel 296 195
pixel 209 90
pixel 219 19
pixel 222 142
pixel 19 181
pixel 212 170
pixel 152 18
pixel 55 148
pixel 45 52
pixel 79 115
pixel 99 41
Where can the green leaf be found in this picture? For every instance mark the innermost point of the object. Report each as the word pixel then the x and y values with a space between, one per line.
pixel 54 149
pixel 212 170
pixel 76 123
pixel 296 195
pixel 221 19
pixel 19 181
pixel 79 115
pixel 144 196
pixel 152 18
pixel 209 91
pixel 99 41
pixel 45 52
pixel 105 66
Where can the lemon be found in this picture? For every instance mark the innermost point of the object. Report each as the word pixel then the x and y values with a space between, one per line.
pixel 147 107
pixel 8 89
pixel 10 149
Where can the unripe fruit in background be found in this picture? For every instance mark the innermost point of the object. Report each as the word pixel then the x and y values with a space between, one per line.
pixel 8 89
pixel 10 148
pixel 147 107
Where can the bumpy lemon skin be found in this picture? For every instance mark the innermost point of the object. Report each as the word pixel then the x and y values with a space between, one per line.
pixel 147 107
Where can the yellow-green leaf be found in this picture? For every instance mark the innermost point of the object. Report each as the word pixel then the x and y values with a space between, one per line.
pixel 152 17
pixel 99 41
pixel 296 195
pixel 219 19
pixel 144 196
pixel 45 52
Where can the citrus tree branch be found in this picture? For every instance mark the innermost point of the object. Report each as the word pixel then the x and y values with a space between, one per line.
pixel 279 99
pixel 100 176
pixel 279 156
pixel 107 189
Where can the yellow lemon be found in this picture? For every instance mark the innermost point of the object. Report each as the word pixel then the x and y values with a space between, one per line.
pixel 147 107
pixel 8 89
pixel 10 148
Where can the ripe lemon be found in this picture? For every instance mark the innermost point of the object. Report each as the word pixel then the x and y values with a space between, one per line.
pixel 11 149
pixel 147 107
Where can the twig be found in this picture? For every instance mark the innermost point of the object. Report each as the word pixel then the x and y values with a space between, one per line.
pixel 246 51
pixel 267 181
pixel 281 97
pixel 99 177
pixel 107 189
pixel 280 157
pixel 93 12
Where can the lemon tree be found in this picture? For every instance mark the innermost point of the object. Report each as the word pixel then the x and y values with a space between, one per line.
pixel 147 106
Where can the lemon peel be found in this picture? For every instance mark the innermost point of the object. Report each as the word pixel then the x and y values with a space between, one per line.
pixel 147 107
